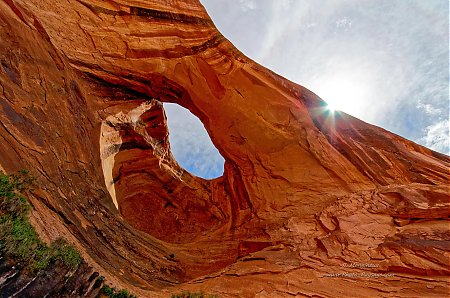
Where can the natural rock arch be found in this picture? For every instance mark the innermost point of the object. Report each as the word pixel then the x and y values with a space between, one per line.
pixel 295 183
pixel 148 186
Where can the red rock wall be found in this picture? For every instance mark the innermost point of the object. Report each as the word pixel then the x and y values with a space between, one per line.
pixel 304 191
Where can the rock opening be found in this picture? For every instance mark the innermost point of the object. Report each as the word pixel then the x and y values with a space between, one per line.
pixel 191 145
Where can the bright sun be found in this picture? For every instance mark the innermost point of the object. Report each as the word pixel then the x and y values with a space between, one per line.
pixel 342 94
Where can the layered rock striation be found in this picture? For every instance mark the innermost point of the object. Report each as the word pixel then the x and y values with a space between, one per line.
pixel 306 193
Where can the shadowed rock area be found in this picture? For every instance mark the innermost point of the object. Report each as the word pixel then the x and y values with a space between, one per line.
pixel 54 281
pixel 311 202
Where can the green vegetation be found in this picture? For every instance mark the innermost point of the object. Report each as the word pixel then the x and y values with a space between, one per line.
pixel 187 294
pixel 65 252
pixel 18 239
pixel 99 281
pixel 113 293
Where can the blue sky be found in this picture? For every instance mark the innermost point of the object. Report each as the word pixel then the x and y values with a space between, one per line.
pixel 190 143
pixel 383 61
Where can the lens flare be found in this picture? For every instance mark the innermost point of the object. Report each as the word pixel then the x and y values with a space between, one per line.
pixel 343 93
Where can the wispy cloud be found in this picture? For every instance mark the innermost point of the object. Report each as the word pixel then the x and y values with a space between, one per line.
pixel 247 4
pixel 437 137
pixel 344 23
pixel 391 56
pixel 428 108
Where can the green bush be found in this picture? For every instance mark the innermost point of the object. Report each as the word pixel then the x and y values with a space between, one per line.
pixel 112 293
pixel 18 239
pixel 66 253
pixel 187 294
pixel 99 281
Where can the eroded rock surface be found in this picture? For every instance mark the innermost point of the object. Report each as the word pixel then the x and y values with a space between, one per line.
pixel 55 281
pixel 305 192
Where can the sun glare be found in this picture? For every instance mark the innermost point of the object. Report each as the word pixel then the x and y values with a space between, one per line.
pixel 331 107
pixel 342 94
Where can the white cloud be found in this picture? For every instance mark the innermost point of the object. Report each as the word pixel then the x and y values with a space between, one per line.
pixel 310 25
pixel 247 4
pixel 344 23
pixel 428 108
pixel 437 137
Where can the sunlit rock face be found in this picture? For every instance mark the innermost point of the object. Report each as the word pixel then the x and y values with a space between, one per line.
pixel 305 192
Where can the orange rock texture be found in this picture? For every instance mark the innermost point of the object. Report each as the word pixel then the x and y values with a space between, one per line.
pixel 311 202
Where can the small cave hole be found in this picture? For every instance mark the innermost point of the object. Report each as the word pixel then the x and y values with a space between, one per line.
pixel 190 143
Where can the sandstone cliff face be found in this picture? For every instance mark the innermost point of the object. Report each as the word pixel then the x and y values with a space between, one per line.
pixel 305 192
